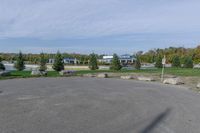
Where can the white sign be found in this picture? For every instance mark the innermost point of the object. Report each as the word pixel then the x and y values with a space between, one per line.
pixel 164 61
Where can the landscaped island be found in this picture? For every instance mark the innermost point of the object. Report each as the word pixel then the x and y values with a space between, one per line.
pixel 178 62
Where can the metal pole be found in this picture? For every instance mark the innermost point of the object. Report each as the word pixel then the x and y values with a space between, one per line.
pixel 162 76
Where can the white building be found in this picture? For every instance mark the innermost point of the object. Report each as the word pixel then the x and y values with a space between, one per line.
pixel 70 61
pixel 66 61
pixel 124 59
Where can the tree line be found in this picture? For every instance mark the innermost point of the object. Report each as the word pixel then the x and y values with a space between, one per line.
pixel 170 53
pixel 58 64
pixel 145 57
pixel 177 56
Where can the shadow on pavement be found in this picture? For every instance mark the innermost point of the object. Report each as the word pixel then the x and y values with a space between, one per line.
pixel 156 121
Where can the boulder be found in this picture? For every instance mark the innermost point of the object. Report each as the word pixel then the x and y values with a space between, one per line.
pixel 173 81
pixel 89 75
pixel 127 77
pixel 38 73
pixel 198 85
pixel 4 73
pixel 102 75
pixel 66 72
pixel 146 79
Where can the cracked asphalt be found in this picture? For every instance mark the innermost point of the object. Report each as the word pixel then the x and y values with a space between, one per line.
pixel 95 105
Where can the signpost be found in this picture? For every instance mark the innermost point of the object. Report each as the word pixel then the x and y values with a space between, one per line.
pixel 163 63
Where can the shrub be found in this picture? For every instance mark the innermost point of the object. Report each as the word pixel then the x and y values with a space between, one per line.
pixel 58 63
pixel 93 62
pixel 43 62
pixel 176 61
pixel 188 62
pixel 115 65
pixel 159 62
pixel 19 65
pixel 2 67
pixel 137 63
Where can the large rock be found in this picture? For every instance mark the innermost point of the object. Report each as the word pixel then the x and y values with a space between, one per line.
pixel 146 79
pixel 127 77
pixel 102 75
pixel 89 75
pixel 38 73
pixel 198 85
pixel 173 81
pixel 66 72
pixel 4 73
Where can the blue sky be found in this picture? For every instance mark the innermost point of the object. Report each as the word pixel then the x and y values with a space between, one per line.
pixel 101 26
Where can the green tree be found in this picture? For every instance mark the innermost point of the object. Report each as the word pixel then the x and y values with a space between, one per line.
pixel 93 62
pixel 137 63
pixel 43 62
pixel 188 62
pixel 19 65
pixel 58 63
pixel 176 61
pixel 158 61
pixel 2 67
pixel 115 65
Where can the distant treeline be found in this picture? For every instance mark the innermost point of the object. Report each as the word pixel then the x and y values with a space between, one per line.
pixel 145 57
pixel 35 58
pixel 170 53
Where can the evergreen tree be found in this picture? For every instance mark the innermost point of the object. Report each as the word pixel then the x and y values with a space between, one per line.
pixel 137 63
pixel 93 62
pixel 188 62
pixel 58 63
pixel 2 67
pixel 43 62
pixel 176 61
pixel 115 65
pixel 159 62
pixel 19 65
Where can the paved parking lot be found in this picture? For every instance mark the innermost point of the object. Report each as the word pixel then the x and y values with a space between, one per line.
pixel 91 105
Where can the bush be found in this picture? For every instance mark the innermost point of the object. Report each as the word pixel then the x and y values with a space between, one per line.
pixel 159 62
pixel 2 67
pixel 188 62
pixel 93 62
pixel 115 65
pixel 58 63
pixel 176 61
pixel 137 63
pixel 43 62
pixel 19 65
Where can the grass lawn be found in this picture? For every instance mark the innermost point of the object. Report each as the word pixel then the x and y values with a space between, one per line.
pixel 173 71
pixel 27 74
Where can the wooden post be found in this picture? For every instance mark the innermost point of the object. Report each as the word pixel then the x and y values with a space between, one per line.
pixel 163 69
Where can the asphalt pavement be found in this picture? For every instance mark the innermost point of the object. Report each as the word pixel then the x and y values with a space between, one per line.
pixel 95 105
